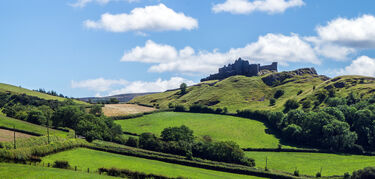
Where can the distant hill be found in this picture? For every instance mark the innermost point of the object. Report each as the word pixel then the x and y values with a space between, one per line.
pixel 20 90
pixel 123 98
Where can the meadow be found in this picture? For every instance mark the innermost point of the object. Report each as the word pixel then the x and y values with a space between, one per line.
pixel 29 127
pixel 86 158
pixel 7 135
pixel 245 132
pixel 311 163
pixel 124 109
pixel 20 90
pixel 8 170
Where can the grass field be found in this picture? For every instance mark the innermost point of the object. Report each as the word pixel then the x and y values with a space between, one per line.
pixel 7 135
pixel 25 126
pixel 20 90
pixel 13 171
pixel 311 163
pixel 124 109
pixel 87 158
pixel 245 132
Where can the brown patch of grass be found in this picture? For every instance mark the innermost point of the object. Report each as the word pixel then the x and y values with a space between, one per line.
pixel 7 135
pixel 124 109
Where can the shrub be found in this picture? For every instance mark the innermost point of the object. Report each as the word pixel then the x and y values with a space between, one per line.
pixel 61 164
pixel 272 102
pixel 346 175
pixel 180 108
pixel 290 104
pixel 318 175
pixel 278 93
pixel 296 173
pixel 225 110
pixel 132 142
pixel 368 172
pixel 182 133
pixel 299 92
pixel 306 104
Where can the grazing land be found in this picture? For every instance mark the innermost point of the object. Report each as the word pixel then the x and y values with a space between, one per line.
pixel 86 158
pixel 124 109
pixel 7 135
pixel 20 90
pixel 311 163
pixel 29 127
pixel 245 132
pixel 14 171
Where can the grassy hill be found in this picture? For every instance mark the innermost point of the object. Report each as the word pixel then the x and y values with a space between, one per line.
pixel 86 158
pixel 245 132
pixel 19 90
pixel 240 92
pixel 237 92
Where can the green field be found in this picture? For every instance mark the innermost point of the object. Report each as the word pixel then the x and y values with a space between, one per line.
pixel 86 158
pixel 311 163
pixel 26 171
pixel 25 126
pixel 20 90
pixel 245 132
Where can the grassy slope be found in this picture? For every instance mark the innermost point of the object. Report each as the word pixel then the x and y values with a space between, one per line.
pixel 311 163
pixel 22 125
pixel 27 171
pixel 236 92
pixel 246 132
pixel 86 158
pixel 15 89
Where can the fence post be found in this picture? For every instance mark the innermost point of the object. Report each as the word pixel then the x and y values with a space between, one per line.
pixel 75 168
pixel 88 170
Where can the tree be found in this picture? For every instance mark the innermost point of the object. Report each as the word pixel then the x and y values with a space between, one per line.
pixel 278 93
pixel 182 133
pixel 290 104
pixel 337 135
pixel 183 87
pixel 272 102
pixel 96 110
pixel 114 101
pixel 36 116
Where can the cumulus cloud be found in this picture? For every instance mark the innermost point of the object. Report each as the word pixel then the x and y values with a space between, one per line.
pixel 83 3
pixel 113 87
pixel 155 86
pixel 246 6
pixel 356 33
pixel 268 48
pixel 330 50
pixel 99 84
pixel 363 65
pixel 149 18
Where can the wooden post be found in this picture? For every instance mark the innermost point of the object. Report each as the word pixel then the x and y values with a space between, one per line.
pixel 266 163
pixel 14 137
pixel 88 170
pixel 48 130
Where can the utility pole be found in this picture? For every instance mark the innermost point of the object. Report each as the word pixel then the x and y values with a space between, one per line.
pixel 14 136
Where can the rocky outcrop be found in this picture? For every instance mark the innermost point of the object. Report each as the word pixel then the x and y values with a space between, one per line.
pixel 279 78
pixel 241 67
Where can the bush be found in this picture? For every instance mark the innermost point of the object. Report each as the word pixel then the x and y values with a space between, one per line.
pixel 132 142
pixel 272 102
pixel 318 175
pixel 299 92
pixel 278 94
pixel 290 104
pixel 346 175
pixel 180 108
pixel 61 164
pixel 368 172
pixel 296 173
pixel 182 133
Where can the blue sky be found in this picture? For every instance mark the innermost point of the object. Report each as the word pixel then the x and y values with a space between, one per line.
pixel 102 47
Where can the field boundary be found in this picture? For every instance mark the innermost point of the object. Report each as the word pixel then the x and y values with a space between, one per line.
pixel 20 131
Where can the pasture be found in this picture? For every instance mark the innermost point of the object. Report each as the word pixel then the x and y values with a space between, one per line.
pixel 245 132
pixel 124 109
pixel 29 127
pixel 7 135
pixel 14 171
pixel 86 158
pixel 311 163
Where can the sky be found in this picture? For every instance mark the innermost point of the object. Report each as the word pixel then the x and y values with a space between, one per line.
pixel 84 48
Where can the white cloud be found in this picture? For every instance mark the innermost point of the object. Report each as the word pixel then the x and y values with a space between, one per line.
pixel 268 48
pixel 83 3
pixel 99 84
pixel 121 86
pixel 156 86
pixel 357 33
pixel 363 65
pixel 149 18
pixel 246 6
pixel 330 50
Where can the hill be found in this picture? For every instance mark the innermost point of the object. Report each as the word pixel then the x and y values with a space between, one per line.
pixel 20 90
pixel 241 92
pixel 123 98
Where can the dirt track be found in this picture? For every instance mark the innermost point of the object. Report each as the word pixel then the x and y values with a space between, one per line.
pixel 124 109
pixel 7 135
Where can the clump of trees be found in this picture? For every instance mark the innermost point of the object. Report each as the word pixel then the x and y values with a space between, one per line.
pixel 53 93
pixel 183 88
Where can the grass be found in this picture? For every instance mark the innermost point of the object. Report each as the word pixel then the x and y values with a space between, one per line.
pixel 235 93
pixel 20 90
pixel 245 132
pixel 124 109
pixel 311 163
pixel 86 158
pixel 26 126
pixel 26 171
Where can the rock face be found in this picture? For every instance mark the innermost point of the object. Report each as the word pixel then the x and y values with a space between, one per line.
pixel 279 78
pixel 240 67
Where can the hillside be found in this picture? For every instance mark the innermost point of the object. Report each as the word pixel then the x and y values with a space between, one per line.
pixel 241 92
pixel 123 98
pixel 20 90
